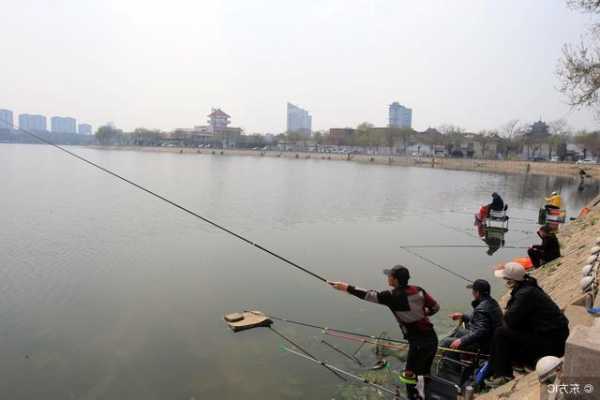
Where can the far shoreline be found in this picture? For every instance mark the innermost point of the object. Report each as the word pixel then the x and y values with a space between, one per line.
pixel 459 164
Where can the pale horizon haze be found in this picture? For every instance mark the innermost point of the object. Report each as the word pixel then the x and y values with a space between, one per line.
pixel 164 65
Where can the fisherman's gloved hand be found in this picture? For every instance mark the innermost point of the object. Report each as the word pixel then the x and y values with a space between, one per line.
pixel 342 286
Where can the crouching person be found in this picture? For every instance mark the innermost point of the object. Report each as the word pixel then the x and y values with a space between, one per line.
pixel 479 325
pixel 533 326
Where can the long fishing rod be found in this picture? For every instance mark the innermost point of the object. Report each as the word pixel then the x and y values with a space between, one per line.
pixel 177 205
pixel 398 346
pixel 357 378
pixel 436 264
pixel 325 329
pixel 302 349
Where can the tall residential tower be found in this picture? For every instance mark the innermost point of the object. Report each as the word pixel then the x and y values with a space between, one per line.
pixel 84 129
pixel 32 122
pixel 6 119
pixel 298 120
pixel 63 124
pixel 400 116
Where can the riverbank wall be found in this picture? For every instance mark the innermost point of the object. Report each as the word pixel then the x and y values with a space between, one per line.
pixel 461 164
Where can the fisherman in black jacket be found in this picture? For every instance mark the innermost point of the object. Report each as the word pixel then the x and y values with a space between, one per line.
pixel 479 325
pixel 547 251
pixel 411 306
pixel 497 203
pixel 534 326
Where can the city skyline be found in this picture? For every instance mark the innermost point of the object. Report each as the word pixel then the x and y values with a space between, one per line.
pixel 472 64
pixel 39 122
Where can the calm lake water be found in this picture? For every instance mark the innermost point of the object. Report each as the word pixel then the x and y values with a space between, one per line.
pixel 108 293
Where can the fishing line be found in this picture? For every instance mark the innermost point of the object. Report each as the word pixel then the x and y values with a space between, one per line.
pixel 436 264
pixel 174 204
pixel 455 229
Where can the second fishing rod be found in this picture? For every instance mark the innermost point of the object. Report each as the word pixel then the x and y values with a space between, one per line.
pixel 326 330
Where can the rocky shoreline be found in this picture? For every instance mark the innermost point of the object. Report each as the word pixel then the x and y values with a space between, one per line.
pixel 561 280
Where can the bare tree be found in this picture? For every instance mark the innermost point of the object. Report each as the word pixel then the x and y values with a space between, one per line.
pixel 485 139
pixel 513 132
pixel 448 129
pixel 585 5
pixel 509 129
pixel 579 69
pixel 560 127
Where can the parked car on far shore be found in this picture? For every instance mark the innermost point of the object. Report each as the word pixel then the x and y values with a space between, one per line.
pixel 586 161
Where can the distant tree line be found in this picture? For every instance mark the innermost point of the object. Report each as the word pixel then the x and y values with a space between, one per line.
pixel 511 140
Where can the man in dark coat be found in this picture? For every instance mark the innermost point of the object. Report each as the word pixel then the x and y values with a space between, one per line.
pixel 480 324
pixel 534 326
pixel 547 251
pixel 497 203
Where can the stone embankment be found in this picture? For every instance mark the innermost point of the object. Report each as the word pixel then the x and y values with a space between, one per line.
pixel 561 279
pixel 509 166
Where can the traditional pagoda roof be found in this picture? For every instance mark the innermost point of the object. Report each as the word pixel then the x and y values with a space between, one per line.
pixel 538 129
pixel 217 112
pixel 431 131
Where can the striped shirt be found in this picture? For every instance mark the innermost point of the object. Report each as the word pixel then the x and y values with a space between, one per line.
pixel 411 305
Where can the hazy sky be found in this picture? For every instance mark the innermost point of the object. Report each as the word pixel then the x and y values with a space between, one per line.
pixel 164 64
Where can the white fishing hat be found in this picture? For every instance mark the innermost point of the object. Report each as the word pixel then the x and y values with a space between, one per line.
pixel 512 270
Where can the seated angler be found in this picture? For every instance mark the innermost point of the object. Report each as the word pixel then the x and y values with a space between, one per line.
pixel 411 306
pixel 479 325
pixel 547 251
pixel 497 203
pixel 553 202
pixel 533 326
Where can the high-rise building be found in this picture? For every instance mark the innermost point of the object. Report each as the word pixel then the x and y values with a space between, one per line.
pixel 63 124
pixel 6 119
pixel 84 129
pixel 298 120
pixel 400 116
pixel 32 122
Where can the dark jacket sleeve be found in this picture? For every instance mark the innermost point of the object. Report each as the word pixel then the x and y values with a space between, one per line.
pixel 480 327
pixel 372 296
pixel 521 306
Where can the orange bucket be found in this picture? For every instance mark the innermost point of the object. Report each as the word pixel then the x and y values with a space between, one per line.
pixel 525 262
